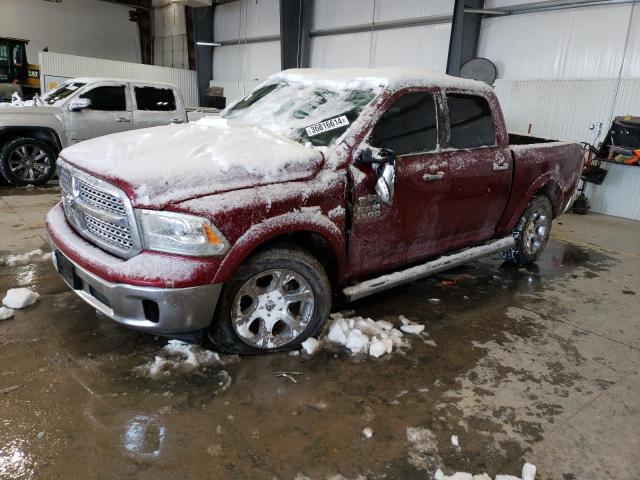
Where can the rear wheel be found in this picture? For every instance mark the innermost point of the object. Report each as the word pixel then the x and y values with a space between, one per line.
pixel 277 299
pixel 531 232
pixel 27 161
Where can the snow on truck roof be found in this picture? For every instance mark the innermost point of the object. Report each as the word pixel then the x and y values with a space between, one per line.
pixel 109 79
pixel 387 77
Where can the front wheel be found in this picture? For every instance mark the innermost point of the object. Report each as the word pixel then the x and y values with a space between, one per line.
pixel 277 299
pixel 531 232
pixel 27 161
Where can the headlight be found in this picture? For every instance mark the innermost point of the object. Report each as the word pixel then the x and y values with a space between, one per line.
pixel 180 233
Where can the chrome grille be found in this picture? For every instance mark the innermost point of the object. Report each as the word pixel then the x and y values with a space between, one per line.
pixel 100 199
pixel 99 211
pixel 114 234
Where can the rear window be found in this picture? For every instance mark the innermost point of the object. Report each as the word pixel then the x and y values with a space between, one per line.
pixel 471 125
pixel 155 99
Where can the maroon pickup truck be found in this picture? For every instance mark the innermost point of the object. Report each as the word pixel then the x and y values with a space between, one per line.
pixel 318 183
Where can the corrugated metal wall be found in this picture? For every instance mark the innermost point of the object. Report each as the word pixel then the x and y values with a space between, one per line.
pixel 561 71
pixel 71 66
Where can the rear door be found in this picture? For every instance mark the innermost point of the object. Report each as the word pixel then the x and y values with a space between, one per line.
pixel 110 112
pixel 156 105
pixel 478 166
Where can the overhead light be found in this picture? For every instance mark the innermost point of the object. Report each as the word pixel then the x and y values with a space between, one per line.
pixel 209 44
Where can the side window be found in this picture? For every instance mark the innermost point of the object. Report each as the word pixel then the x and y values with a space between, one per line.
pixel 155 99
pixel 111 98
pixel 470 122
pixel 410 125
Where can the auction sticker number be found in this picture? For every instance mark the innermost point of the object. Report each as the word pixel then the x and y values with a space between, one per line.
pixel 327 125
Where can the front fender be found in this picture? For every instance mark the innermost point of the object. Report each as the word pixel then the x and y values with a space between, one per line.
pixel 273 227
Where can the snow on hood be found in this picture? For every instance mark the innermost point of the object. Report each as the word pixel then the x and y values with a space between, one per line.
pixel 175 162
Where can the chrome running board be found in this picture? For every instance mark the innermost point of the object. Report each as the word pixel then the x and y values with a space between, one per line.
pixel 390 280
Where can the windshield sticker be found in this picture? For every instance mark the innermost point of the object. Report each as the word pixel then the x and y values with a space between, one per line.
pixel 327 125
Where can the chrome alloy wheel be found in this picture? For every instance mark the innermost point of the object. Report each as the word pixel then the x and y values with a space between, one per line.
pixel 272 308
pixel 29 163
pixel 536 230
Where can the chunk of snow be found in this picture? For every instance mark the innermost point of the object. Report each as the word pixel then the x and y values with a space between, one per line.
pixel 367 432
pixel 337 332
pixel 20 297
pixel 433 301
pixel 412 329
pixel 507 477
pixel 377 348
pixel 311 346
pixel 384 325
pixel 454 440
pixel 26 258
pixel 178 357
pixel 529 472
pixel 431 343
pixel 483 476
pixel 439 475
pixel 357 341
pixel 6 313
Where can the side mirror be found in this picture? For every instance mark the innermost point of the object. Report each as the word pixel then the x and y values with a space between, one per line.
pixel 386 183
pixel 79 104
pixel 376 155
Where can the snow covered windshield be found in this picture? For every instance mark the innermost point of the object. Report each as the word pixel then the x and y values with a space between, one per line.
pixel 306 112
pixel 62 92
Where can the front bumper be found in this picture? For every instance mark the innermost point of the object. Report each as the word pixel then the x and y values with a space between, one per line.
pixel 165 311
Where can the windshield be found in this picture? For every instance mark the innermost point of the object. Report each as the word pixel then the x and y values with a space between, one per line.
pixel 62 92
pixel 307 113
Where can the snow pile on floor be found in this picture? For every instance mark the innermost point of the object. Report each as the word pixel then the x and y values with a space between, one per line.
pixel 26 258
pixel 528 473
pixel 364 335
pixel 20 297
pixel 178 357
pixel 6 313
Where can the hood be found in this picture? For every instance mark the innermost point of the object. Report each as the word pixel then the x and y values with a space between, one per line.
pixel 162 165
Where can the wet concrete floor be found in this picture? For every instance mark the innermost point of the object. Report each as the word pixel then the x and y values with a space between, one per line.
pixel 537 364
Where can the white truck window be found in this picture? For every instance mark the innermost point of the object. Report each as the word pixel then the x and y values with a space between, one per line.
pixel 108 98
pixel 155 99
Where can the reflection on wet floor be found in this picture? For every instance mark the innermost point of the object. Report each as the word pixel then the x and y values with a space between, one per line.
pixel 98 417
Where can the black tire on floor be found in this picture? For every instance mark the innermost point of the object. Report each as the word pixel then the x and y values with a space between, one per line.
pixel 41 155
pixel 223 337
pixel 531 232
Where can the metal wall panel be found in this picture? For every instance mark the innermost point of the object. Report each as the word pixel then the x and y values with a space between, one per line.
pixel 564 44
pixel 71 66
pixel 564 109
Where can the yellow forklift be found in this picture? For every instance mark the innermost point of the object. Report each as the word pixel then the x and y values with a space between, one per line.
pixel 16 74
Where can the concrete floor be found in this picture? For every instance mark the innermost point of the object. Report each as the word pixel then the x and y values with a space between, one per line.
pixel 537 365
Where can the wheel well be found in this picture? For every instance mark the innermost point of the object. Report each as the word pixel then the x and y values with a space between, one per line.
pixel 315 244
pixel 45 134
pixel 552 192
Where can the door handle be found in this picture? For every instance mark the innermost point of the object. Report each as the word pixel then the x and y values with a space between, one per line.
pixel 498 167
pixel 429 177
pixel 176 120
pixel 122 119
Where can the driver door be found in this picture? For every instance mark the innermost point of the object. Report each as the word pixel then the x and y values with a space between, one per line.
pixel 386 236
pixel 109 112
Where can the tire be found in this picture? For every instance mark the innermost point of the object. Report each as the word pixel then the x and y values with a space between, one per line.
pixel 531 232
pixel 27 161
pixel 260 289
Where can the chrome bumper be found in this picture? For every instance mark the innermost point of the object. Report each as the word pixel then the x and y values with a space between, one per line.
pixel 163 311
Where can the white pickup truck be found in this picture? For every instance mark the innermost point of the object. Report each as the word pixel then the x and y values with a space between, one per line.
pixel 32 133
